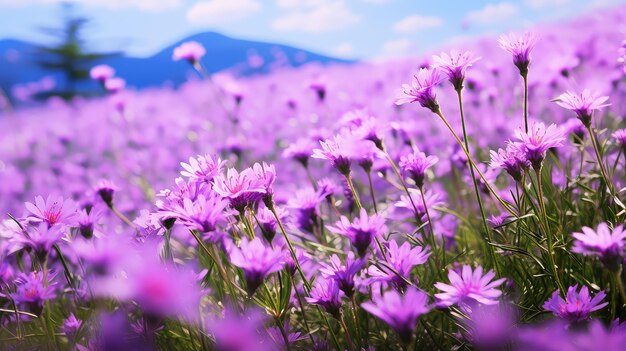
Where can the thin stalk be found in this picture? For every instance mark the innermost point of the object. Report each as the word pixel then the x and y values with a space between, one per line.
pixel 121 216
pixel 596 148
pixel 307 285
pixel 345 328
pixel 282 331
pixel 353 190
pixel 369 180
pixel 525 78
pixel 306 323
pixel 617 277
pixel 548 232
pixel 471 160
pixel 430 224
pixel 396 170
pixel 486 228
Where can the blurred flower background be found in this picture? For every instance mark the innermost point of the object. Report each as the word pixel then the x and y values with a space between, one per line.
pixel 312 175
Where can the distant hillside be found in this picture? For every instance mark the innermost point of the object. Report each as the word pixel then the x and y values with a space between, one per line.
pixel 243 56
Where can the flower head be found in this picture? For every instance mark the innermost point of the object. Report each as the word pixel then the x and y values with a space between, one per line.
pixel 538 140
pixel 361 231
pixel 55 210
pixel 620 137
pixel 70 326
pixel 115 84
pixel 105 189
pixel 416 164
pixel 257 261
pixel 337 151
pixel 577 306
pixel 241 189
pixel 520 47
pixel 101 73
pixel 400 312
pixel 454 66
pixel 468 287
pixel 192 51
pixel 400 261
pixel 603 242
pixel 342 273
pixel 33 290
pixel 582 104
pixel 326 293
pixel 512 160
pixel 41 239
pixel 421 89
pixel 202 168
pixel 300 151
pixel 203 214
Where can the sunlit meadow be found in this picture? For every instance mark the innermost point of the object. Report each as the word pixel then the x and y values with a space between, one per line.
pixel 467 200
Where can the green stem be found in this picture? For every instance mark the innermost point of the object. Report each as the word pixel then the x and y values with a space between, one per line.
pixel 525 78
pixel 596 148
pixel 486 228
pixel 345 328
pixel 550 239
pixel 353 190
pixel 369 179
pixel 471 160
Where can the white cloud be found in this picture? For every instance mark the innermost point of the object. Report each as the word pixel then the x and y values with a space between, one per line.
pixel 221 11
pixel 344 50
pixel 492 13
pixel 538 4
pixel 397 48
pixel 415 23
pixel 323 16
pixel 147 5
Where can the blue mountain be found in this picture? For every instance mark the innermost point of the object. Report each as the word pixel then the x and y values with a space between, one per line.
pixel 17 61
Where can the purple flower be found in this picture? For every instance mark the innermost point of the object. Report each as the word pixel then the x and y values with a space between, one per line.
pixel 520 48
pixel 105 189
pixel 266 175
pixel 236 332
pixel 582 104
pixel 86 221
pixel 203 168
pixel 268 222
pixel 241 189
pixel 469 287
pixel 203 214
pixel 603 242
pixel 306 202
pixel 399 263
pixel 620 137
pixel 326 293
pixel 41 239
pixel 52 211
pixel 257 261
pixel 361 231
pixel 432 199
pixel 539 139
pixel 192 51
pixel 421 89
pixel 454 66
pixel 337 151
pixel 101 73
pixel 342 273
pixel 276 335
pixel 300 151
pixel 114 85
pixel 33 290
pixel 489 327
pixel 400 312
pixel 416 164
pixel 512 160
pixel 577 306
pixel 71 326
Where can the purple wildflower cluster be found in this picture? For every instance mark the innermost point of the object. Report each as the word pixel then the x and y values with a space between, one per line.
pixel 320 213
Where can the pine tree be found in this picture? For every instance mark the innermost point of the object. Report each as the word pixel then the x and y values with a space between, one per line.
pixel 68 57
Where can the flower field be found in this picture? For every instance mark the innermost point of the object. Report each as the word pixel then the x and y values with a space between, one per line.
pixel 469 199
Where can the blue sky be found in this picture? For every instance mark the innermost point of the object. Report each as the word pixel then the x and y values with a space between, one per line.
pixel 369 29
